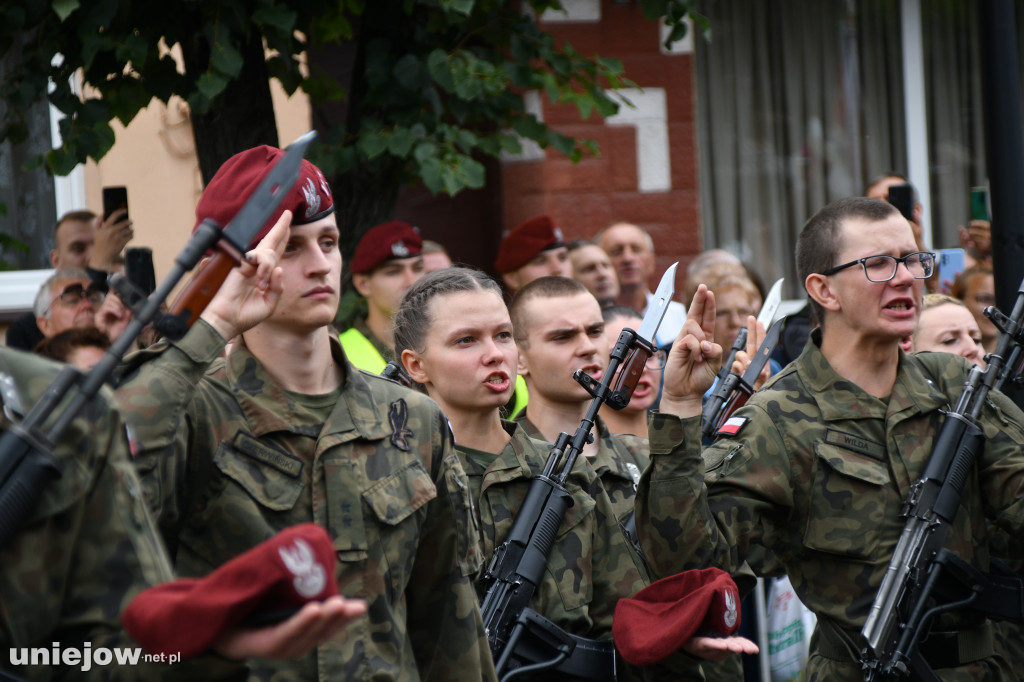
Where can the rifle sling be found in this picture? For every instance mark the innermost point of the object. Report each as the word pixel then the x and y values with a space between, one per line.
pixel 590 659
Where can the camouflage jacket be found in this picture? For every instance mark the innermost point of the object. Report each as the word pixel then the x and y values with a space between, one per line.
pixel 589 568
pixel 817 474
pixel 619 461
pixel 87 549
pixel 228 459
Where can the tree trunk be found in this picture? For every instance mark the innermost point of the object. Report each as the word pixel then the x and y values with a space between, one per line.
pixel 243 115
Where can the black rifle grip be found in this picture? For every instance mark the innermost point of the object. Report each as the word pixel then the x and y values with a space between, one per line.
pixel 948 500
pixel 20 491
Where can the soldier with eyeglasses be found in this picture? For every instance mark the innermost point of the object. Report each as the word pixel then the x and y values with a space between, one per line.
pixel 68 299
pixel 816 466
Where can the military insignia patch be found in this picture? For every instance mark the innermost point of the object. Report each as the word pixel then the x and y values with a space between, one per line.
pixel 398 417
pixel 732 426
pixel 312 198
pixel 731 613
pixel 310 576
pixel 399 249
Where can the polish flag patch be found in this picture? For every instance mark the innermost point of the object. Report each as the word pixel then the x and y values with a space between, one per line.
pixel 732 426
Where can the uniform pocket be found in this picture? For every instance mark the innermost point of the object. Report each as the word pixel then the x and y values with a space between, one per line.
pixel 848 502
pixel 268 485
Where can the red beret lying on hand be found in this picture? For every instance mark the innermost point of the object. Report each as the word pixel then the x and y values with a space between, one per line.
pixel 189 615
pixel 655 622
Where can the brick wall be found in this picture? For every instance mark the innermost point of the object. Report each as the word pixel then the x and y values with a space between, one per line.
pixel 656 188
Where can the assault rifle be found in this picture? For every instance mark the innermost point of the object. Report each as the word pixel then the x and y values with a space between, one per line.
pixel 521 640
pixel 27 462
pixel 924 579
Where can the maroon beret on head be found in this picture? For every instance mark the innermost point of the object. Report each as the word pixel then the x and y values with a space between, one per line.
pixel 189 615
pixel 660 618
pixel 525 241
pixel 309 200
pixel 384 242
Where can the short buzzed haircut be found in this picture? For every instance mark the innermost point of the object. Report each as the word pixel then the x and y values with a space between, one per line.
pixel 78 216
pixel 543 287
pixel 819 241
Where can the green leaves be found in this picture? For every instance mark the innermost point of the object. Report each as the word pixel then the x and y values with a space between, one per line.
pixel 431 86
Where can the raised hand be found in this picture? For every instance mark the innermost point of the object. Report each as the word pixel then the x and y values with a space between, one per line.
pixel 251 292
pixel 110 238
pixel 693 360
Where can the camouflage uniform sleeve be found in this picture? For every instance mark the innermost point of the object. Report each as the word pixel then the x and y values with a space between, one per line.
pixel 89 548
pixel 1002 470
pixel 444 621
pixel 679 524
pixel 155 400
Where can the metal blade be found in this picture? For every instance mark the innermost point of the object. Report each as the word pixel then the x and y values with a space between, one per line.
pixel 771 303
pixel 658 306
pixel 271 191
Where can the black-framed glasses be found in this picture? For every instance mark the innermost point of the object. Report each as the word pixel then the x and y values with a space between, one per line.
pixel 921 265
pixel 74 293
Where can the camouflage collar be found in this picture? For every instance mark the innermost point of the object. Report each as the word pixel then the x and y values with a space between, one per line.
pixel 846 400
pixel 267 408
pixel 612 454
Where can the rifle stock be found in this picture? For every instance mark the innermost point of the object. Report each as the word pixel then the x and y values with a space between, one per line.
pixel 906 600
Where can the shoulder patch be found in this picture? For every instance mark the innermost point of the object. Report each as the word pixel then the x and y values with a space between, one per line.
pixel 732 426
pixel 398 417
pixel 267 454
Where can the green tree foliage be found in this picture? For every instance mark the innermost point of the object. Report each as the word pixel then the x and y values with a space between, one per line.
pixel 430 84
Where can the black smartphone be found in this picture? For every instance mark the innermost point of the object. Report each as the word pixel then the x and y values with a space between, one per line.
pixel 138 268
pixel 113 199
pixel 902 197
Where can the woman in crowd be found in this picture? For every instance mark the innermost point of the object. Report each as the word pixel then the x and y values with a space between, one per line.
pixel 947 326
pixel 976 287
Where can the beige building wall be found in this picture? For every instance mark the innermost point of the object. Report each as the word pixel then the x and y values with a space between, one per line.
pixel 155 158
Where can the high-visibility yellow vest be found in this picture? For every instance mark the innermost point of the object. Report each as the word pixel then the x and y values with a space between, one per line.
pixel 521 396
pixel 360 352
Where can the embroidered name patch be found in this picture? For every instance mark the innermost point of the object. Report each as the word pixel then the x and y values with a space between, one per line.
pixel 265 454
pixel 864 446
pixel 732 426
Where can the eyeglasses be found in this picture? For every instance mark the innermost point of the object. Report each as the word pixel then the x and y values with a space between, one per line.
pixel 658 359
pixel 921 264
pixel 74 293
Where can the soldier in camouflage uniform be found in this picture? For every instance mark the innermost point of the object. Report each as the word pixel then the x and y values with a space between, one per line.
pixel 559 324
pixel 284 430
pixel 88 547
pixel 816 466
pixel 467 364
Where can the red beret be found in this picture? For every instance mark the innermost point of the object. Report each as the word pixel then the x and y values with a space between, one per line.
pixel 660 618
pixel 189 615
pixel 309 200
pixel 525 241
pixel 384 242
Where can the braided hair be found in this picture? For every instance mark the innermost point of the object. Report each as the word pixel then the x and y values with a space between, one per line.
pixel 412 321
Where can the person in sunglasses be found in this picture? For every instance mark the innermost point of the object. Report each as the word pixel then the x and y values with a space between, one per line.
pixel 816 466
pixel 67 300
